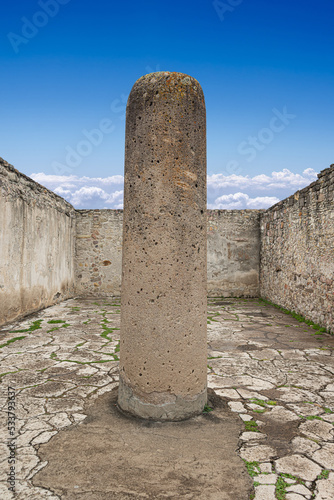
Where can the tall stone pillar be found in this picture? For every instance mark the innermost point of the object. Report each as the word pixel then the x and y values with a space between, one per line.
pixel 163 349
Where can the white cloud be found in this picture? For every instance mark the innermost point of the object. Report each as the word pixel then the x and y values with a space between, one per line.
pixel 241 201
pixel 277 180
pixel 91 197
pixel 241 191
pixel 56 180
pixel 224 191
pixel 85 192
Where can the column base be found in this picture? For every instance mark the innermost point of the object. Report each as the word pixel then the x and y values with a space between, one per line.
pixel 179 409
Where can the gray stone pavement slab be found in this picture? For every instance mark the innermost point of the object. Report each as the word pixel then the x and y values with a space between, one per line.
pixel 271 373
pixel 325 488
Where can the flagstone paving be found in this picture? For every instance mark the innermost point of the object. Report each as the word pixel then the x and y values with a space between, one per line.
pixel 274 372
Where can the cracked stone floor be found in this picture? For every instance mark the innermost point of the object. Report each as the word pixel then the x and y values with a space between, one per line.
pixel 274 372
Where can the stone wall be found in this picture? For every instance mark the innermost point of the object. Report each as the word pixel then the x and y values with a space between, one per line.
pixel 297 251
pixel 49 251
pixel 233 252
pixel 98 260
pixel 36 245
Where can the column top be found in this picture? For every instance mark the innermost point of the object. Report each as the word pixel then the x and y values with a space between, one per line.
pixel 165 83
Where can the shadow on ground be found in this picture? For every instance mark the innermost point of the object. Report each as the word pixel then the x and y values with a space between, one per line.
pixel 273 375
pixel 113 456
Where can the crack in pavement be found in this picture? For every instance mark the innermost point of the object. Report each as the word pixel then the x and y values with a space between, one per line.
pixel 236 367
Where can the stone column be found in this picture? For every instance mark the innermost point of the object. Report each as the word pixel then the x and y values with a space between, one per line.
pixel 163 349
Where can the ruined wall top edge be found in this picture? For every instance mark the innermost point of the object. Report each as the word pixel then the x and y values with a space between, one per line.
pixel 14 184
pixel 209 211
pixel 249 211
pixel 31 191
pixel 323 183
pixel 87 211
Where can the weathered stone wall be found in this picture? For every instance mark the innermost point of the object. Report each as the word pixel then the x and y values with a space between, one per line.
pixel 233 252
pixel 98 262
pixel 36 245
pixel 297 251
pixel 40 262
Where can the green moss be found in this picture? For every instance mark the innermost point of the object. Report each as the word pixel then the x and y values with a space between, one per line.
pixel 81 344
pixel 19 331
pixel 295 315
pixel 251 426
pixel 101 361
pixel 107 331
pixel 295 478
pixel 253 468
pixel 32 386
pixel 10 341
pixel 35 325
pixel 324 474
pixel 8 373
pixel 112 354
pixel 54 321
pixel 259 402
pixel 280 488
pixel 54 357
pixel 207 409
pixel 211 317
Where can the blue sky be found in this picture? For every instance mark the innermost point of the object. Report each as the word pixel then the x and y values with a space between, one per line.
pixel 266 68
